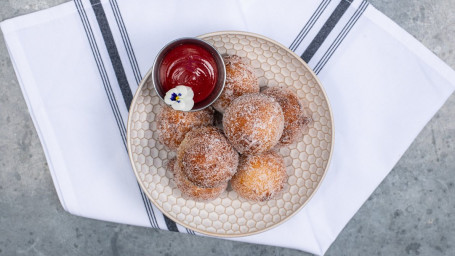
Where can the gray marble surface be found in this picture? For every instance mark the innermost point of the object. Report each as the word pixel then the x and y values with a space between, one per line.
pixel 412 212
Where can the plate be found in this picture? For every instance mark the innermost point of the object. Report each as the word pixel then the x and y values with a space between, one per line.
pixel 229 215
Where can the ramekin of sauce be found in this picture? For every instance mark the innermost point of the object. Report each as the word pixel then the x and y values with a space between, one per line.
pixel 194 63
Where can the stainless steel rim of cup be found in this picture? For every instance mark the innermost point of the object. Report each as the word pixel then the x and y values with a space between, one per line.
pixel 218 59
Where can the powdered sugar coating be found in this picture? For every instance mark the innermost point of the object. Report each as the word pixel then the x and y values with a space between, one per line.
pixel 174 124
pixel 253 123
pixel 260 177
pixel 296 118
pixel 191 191
pixel 240 79
pixel 206 157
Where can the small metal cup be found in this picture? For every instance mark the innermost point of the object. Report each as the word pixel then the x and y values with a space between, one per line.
pixel 219 86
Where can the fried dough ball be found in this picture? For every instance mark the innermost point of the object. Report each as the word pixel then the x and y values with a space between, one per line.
pixel 174 124
pixel 260 177
pixel 295 116
pixel 191 191
pixel 206 157
pixel 253 123
pixel 240 79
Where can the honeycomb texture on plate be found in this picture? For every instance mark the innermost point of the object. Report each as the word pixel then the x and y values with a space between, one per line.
pixel 230 215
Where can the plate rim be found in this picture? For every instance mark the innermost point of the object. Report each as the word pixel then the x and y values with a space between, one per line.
pixel 128 139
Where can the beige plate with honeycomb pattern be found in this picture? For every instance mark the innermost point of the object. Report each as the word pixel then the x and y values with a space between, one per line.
pixel 230 215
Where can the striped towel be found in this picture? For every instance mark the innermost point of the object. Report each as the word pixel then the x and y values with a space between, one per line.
pixel 80 63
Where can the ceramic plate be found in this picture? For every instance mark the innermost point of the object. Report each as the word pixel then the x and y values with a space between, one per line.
pixel 229 215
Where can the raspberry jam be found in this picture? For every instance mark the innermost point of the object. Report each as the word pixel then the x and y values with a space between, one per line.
pixel 190 65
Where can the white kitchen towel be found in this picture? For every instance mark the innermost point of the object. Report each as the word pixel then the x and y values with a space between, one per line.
pixel 79 64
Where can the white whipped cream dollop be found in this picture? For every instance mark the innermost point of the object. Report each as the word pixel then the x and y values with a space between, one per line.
pixel 180 98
